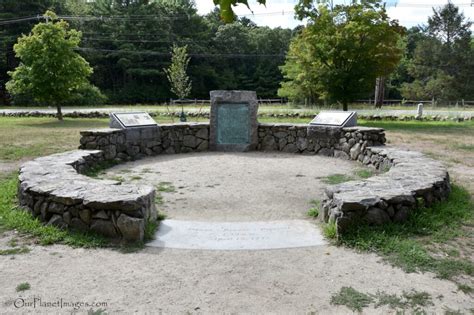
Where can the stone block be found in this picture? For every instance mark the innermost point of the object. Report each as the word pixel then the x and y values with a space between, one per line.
pixel 355 151
pixel 132 229
pixel 302 143
pixel 268 143
pixel 57 221
pixel 377 216
pixel 77 224
pixel 103 227
pixel 203 133
pixel 190 141
pixel 85 216
pixel 290 148
pixel 341 155
pixel 401 215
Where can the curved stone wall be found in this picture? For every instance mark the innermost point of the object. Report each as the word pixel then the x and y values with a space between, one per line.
pixel 411 180
pixel 133 144
pixel 54 190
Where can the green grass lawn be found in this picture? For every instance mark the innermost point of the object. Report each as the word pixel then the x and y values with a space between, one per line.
pixel 31 137
pixel 426 242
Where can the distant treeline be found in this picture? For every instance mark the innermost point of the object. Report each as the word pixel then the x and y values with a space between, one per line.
pixel 128 43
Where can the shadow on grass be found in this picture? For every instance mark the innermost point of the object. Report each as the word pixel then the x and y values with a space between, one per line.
pixel 405 245
pixel 73 123
pixel 435 127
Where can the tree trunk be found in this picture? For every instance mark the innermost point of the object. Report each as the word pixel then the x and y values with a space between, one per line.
pixel 379 92
pixel 60 113
pixel 344 105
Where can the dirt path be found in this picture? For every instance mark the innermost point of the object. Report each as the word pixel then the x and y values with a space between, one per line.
pixel 8 167
pixel 235 186
pixel 197 281
pixel 181 281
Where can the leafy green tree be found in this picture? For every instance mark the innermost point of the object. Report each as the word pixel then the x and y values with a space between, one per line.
pixel 413 37
pixel 11 10
pixel 442 64
pixel 449 25
pixel 176 72
pixel 300 84
pixel 50 70
pixel 342 51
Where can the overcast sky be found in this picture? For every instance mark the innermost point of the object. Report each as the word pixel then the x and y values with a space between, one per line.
pixel 280 12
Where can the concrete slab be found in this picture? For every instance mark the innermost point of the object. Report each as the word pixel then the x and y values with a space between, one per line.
pixel 253 235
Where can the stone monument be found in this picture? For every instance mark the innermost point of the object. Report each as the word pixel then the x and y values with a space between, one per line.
pixel 419 111
pixel 233 121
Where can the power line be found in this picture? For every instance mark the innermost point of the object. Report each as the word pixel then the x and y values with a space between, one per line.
pixel 155 53
pixel 138 18
pixel 134 18
pixel 145 40
pixel 19 20
pixel 135 34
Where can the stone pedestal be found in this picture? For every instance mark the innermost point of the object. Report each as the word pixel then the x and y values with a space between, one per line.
pixel 233 121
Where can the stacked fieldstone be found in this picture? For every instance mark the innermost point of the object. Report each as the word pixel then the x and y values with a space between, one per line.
pixel 344 143
pixel 53 191
pixel 136 143
pixel 194 137
pixel 412 180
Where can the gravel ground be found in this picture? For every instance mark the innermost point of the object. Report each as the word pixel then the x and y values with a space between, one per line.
pixel 234 186
pixel 296 281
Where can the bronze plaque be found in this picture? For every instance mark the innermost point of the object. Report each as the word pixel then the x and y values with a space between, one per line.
pixel 233 124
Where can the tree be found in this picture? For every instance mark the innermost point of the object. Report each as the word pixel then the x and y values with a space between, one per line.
pixel 299 84
pixel 442 64
pixel 449 25
pixel 177 76
pixel 10 30
pixel 342 51
pixel 176 72
pixel 50 70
